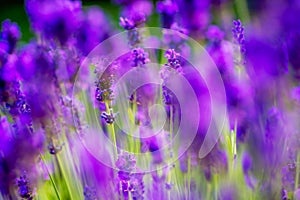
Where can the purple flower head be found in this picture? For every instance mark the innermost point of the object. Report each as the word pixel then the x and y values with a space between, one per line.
pixel 214 33
pixel 89 193
pixel 25 191
pixel 139 57
pixel 176 40
pixel 127 24
pixel 4 49
pixel 138 11
pixel 292 51
pixel 265 56
pixel 35 62
pixel 288 174
pixel 131 25
pixel 173 59
pixel 274 124
pixel 103 90
pixel 56 19
pixel 11 33
pixel 215 161
pixel 295 94
pixel 126 162
pixel 94 28
pixel 194 15
pixel 109 118
pixel 9 70
pixel 238 34
pixel 137 187
pixel 284 194
pixel 246 163
pixel 167 9
pixel 228 192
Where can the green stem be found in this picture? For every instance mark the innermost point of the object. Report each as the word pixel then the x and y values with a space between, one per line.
pixel 51 179
pixel 189 175
pixel 242 10
pixel 112 130
pixel 297 171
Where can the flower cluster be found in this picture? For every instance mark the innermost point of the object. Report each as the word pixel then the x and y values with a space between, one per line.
pixel 66 119
pixel 238 34
pixel 130 182
pixel 139 57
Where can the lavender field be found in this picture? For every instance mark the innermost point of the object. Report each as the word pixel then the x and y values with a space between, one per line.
pixel 142 99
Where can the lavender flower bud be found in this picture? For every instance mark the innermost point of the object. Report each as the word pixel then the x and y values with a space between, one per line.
pixel 109 118
pixel 24 188
pixel 139 57
pixel 127 24
pixel 238 34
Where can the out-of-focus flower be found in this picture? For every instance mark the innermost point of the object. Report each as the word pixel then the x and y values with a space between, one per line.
pixel 133 35
pixel 194 16
pixel 89 193
pixel 215 161
pixel 214 34
pixel 36 67
pixel 56 19
pixel 167 9
pixel 284 194
pixel 297 194
pixel 11 33
pixel 94 28
pixel 138 11
pixel 264 56
pixel 228 192
pixel 129 179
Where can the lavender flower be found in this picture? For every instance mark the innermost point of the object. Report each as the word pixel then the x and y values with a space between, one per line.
pixel 214 34
pixel 139 57
pixel 133 34
pixel 89 193
pixel 194 16
pixel 56 20
pixel 10 33
pixel 138 11
pixel 238 34
pixel 129 179
pixel 25 191
pixel 93 29
pixel 127 24
pixel 284 194
pixel 109 118
pixel 167 9
pixel 173 65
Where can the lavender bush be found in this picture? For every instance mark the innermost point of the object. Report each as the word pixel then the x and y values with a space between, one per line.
pixel 206 105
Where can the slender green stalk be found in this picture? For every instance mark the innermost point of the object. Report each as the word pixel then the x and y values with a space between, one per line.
pixel 51 179
pixel 242 10
pixel 64 173
pixel 189 176
pixel 297 171
pixel 170 149
pixel 112 130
